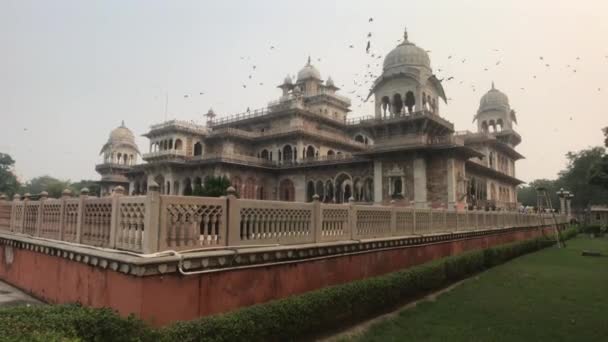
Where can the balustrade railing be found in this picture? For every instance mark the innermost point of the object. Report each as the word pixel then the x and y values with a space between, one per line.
pixel 152 223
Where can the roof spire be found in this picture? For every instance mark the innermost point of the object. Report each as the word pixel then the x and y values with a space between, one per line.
pixel 308 60
pixel 122 124
pixel 405 34
pixel 492 85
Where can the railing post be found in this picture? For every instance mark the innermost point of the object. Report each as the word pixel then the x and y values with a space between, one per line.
pixel 317 218
pixel 84 193
pixel 16 199
pixel 26 198
pixel 43 197
pixel 233 226
pixel 152 219
pixel 352 213
pixel 393 224
pixel 414 221
pixel 116 194
pixel 65 194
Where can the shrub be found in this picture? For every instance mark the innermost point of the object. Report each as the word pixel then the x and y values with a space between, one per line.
pixel 70 323
pixel 591 229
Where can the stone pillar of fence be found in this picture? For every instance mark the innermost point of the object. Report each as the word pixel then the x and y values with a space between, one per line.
pixel 352 212
pixel 233 229
pixel 43 197
pixel 317 217
pixel 84 193
pixel 117 192
pixel 65 195
pixel 152 224
pixel 16 200
pixel 26 199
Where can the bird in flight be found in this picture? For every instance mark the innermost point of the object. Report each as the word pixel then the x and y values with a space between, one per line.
pixel 370 20
pixel 368 46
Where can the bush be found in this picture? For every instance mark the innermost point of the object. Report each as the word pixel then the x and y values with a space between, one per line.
pixel 591 229
pixel 70 323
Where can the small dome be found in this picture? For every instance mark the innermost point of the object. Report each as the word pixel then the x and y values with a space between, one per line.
pixel 330 82
pixel 121 136
pixel 309 71
pixel 405 54
pixel 494 99
pixel 288 80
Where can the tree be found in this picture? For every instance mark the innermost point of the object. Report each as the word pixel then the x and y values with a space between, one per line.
pixel 577 177
pixel 214 187
pixel 93 186
pixel 599 173
pixel 9 184
pixel 46 183
pixel 527 195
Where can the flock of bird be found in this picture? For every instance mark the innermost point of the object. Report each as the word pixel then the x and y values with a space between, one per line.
pixel 362 82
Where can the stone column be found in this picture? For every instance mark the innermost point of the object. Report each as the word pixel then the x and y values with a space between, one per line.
pixel 377 181
pixel 562 205
pixel 420 192
pixel 568 206
pixel 451 184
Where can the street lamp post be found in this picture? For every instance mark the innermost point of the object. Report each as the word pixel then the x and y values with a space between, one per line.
pixel 562 200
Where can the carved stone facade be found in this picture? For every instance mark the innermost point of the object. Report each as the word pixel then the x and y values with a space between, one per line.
pixel 304 144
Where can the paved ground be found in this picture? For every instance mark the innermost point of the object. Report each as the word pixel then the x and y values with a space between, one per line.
pixel 11 296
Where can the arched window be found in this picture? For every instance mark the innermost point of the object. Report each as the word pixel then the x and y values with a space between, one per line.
pixel 187 187
pixel 329 192
pixel 397 104
pixel 499 125
pixel 118 158
pixel 491 159
pixel 310 152
pixel 397 187
pixel 348 193
pixel 343 183
pixel 410 101
pixel 125 159
pixel 170 146
pixel 198 149
pixel 368 190
pixel 176 187
pixel 286 190
pixel 237 184
pixel 492 125
pixel 287 153
pixel 385 106
pixel 249 188
pixel 484 127
pixel 178 144
pixel 358 190
pixel 330 152
pixel 262 192
pixel 359 138
pixel 310 191
pixel 320 190
pixel 265 155
pixel 168 188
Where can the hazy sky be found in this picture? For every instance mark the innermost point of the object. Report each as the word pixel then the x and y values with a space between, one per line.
pixel 70 71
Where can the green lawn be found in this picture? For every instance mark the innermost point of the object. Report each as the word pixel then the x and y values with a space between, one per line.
pixel 551 295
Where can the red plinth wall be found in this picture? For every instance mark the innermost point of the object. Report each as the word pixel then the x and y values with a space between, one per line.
pixel 162 299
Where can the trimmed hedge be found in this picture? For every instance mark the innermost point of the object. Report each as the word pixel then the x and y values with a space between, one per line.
pixel 296 317
pixel 300 316
pixel 70 323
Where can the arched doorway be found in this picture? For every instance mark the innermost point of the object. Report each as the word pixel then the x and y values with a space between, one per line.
pixel 286 190
pixel 310 152
pixel 310 191
pixel 198 149
pixel 249 188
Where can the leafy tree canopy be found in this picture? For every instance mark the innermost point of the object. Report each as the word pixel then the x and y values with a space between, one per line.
pixel 9 184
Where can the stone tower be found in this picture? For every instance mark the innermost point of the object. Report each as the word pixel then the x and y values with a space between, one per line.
pixel 119 156
pixel 407 83
pixel 496 117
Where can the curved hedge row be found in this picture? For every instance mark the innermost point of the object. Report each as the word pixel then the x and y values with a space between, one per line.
pixel 295 317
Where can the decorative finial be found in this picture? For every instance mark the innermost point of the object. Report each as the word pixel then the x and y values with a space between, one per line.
pixel 122 124
pixel 308 60
pixel 405 34
pixel 492 85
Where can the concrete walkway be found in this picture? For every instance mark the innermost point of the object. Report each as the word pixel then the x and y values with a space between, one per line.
pixel 12 296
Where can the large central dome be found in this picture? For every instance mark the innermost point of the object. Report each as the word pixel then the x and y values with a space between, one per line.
pixel 406 54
